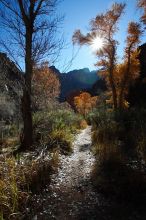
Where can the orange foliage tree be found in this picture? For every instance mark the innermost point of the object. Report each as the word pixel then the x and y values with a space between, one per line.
pixel 131 62
pixel 46 86
pixel 142 4
pixel 123 79
pixel 125 73
pixel 104 26
pixel 117 76
pixel 85 103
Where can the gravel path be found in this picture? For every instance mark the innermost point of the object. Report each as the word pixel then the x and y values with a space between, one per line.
pixel 70 194
pixel 76 168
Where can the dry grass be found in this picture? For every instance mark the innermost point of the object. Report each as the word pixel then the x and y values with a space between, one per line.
pixel 11 193
pixel 61 140
pixel 119 143
pixel 19 178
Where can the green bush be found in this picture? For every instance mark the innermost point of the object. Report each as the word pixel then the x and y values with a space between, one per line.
pixel 58 119
pixel 62 140
pixel 56 128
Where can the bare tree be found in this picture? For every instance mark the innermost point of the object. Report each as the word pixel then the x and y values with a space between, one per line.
pixel 104 26
pixel 31 28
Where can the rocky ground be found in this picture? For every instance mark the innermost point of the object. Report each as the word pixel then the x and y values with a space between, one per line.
pixel 70 194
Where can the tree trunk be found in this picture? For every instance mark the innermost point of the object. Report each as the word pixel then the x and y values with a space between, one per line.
pixel 26 99
pixel 113 88
pixel 123 87
pixel 111 75
pixel 125 81
pixel 121 96
pixel 27 139
pixel 114 94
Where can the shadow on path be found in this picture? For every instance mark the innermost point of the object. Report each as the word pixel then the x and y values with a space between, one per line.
pixel 71 195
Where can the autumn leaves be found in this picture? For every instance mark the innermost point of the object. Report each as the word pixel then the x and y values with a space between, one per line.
pixel 118 76
pixel 85 102
pixel 45 86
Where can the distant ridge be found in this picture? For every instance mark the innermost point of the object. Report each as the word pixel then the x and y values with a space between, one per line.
pixel 75 80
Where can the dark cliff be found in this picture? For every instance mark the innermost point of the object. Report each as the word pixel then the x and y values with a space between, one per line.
pixel 11 82
pixel 76 80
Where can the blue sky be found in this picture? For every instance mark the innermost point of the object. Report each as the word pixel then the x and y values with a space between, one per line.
pixel 78 13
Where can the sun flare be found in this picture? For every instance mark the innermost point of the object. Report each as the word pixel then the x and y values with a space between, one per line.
pixel 96 43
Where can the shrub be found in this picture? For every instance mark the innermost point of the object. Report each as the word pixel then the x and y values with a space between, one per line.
pixel 11 196
pixel 56 128
pixel 105 135
pixel 61 140
pixel 119 144
pixel 21 177
pixel 125 130
pixel 118 180
pixel 58 119
pixel 9 137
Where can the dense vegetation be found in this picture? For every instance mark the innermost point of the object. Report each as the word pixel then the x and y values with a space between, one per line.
pixel 119 145
pixel 26 173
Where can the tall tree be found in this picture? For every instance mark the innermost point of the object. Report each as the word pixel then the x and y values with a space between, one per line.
pixel 104 26
pixel 32 28
pixel 142 4
pixel 131 62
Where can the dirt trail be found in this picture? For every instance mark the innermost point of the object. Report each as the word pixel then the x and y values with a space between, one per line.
pixel 70 194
